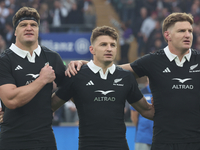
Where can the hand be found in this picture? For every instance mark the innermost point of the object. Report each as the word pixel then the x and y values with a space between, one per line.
pixel 47 74
pixel 1 115
pixel 152 101
pixel 71 68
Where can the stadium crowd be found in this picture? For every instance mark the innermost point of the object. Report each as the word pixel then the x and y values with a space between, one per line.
pixel 145 19
pixel 56 16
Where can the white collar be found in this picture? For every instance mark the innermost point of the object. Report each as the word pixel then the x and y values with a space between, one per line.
pixel 24 53
pixel 172 57
pixel 96 69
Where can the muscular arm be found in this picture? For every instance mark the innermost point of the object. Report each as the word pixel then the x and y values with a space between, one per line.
pixel 14 97
pixel 75 66
pixel 144 108
pixel 56 102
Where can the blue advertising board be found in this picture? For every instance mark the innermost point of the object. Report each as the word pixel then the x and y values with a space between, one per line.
pixel 68 45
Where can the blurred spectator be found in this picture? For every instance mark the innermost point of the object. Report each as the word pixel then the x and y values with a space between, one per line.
pixel 4 12
pixel 75 16
pixel 197 44
pixel 195 11
pixel 144 127
pixel 71 114
pixel 68 4
pixel 125 38
pixel 57 17
pixel 12 4
pixel 89 17
pixel 9 34
pixel 162 14
pixel 2 44
pixel 150 5
pixel 147 27
pixel 128 10
pixel 44 15
pixel 137 23
pixel 155 40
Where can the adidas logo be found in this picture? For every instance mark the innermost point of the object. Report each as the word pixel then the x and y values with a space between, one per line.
pixel 18 67
pixel 90 83
pixel 166 70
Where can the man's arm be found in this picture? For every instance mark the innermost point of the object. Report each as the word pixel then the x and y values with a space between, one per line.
pixel 144 108
pixel 134 117
pixel 56 102
pixel 14 97
pixel 74 67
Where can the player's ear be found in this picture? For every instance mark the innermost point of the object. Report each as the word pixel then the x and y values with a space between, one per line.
pixel 92 50
pixel 167 35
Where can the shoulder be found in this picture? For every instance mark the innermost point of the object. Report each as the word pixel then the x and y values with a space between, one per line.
pixel 47 50
pixel 124 73
pixel 195 52
pixel 6 53
pixel 153 55
pixel 84 70
pixel 119 69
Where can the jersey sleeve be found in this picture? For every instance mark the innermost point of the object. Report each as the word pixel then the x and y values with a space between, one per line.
pixel 6 71
pixel 65 92
pixel 134 94
pixel 142 65
pixel 59 70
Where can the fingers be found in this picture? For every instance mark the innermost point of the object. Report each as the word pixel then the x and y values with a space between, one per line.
pixel 1 115
pixel 79 65
pixel 71 69
pixel 47 74
pixel 152 101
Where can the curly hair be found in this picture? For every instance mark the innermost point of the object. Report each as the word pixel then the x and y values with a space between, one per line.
pixel 26 12
pixel 104 30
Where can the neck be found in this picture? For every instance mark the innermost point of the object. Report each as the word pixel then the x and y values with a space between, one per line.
pixel 27 46
pixel 179 53
pixel 104 65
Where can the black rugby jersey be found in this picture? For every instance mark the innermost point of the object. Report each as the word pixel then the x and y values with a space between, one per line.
pixel 100 104
pixel 29 126
pixel 176 94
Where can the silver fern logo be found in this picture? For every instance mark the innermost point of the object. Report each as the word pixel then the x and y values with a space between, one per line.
pixel 193 67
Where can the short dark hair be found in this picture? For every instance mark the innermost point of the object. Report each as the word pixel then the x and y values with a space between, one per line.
pixel 25 12
pixel 176 17
pixel 103 30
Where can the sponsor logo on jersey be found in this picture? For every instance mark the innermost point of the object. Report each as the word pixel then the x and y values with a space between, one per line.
pixel 193 67
pixel 33 75
pixel 90 83
pixel 182 86
pixel 166 70
pixel 104 92
pixel 116 82
pixel 104 98
pixel 18 67
pixel 182 80
pixel 28 82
